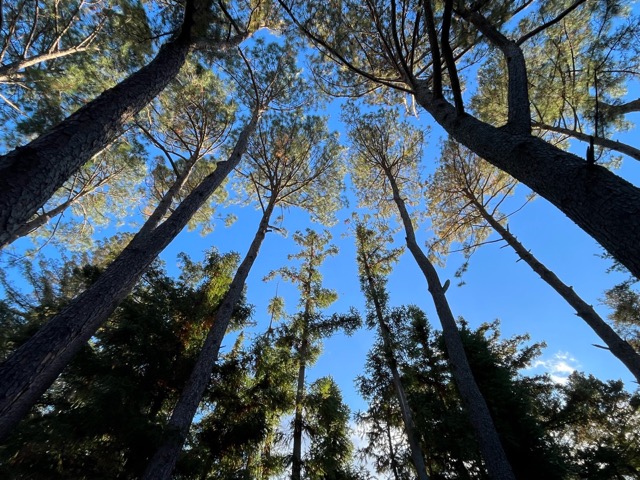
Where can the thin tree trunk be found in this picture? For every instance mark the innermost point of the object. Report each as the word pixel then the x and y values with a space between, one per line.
pixel 407 416
pixel 296 462
pixel 35 365
pixel 487 436
pixel 619 347
pixel 163 462
pixel 392 453
pixel 604 205
pixel 31 174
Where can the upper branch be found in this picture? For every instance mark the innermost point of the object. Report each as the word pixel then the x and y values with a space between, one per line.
pixel 519 116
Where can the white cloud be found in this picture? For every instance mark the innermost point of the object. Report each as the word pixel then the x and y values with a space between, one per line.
pixel 559 367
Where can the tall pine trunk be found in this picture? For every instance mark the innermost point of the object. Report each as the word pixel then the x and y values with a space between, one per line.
pixel 31 174
pixel 35 365
pixel 164 460
pixel 619 347
pixel 496 461
pixel 604 205
pixel 296 460
pixel 407 416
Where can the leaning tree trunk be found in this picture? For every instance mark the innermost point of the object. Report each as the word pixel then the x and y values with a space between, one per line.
pixel 604 205
pixel 486 434
pixel 164 460
pixel 407 417
pixel 31 174
pixel 35 365
pixel 619 347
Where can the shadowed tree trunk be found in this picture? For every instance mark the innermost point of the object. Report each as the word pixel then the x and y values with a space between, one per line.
pixel 33 367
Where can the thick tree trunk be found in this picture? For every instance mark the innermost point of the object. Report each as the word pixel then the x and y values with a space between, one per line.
pixel 31 174
pixel 407 417
pixel 164 460
pixel 486 434
pixel 35 365
pixel 619 347
pixel 604 205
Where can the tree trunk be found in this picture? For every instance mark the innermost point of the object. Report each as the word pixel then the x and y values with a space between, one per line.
pixel 392 453
pixel 486 434
pixel 31 174
pixel 619 347
pixel 604 205
pixel 163 462
pixel 35 365
pixel 407 417
pixel 296 461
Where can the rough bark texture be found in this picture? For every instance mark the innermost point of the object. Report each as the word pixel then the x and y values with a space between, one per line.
pixel 486 434
pixel 30 175
pixel 604 205
pixel 35 365
pixel 619 347
pixel 164 460
pixel 407 417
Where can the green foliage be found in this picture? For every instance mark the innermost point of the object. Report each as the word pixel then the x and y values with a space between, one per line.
pixel 461 183
pixel 188 124
pixel 293 161
pixel 103 417
pixel 327 424
pixel 381 144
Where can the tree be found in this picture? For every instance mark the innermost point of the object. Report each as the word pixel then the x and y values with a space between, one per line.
pixel 330 449
pixel 579 68
pixel 375 262
pixel 31 174
pixel 309 326
pixel 291 161
pixel 517 403
pixel 598 421
pixel 388 150
pixel 103 415
pixel 464 197
pixel 410 48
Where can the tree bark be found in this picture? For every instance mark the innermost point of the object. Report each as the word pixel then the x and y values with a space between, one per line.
pixel 619 347
pixel 496 461
pixel 407 417
pixel 296 460
pixel 604 205
pixel 35 365
pixel 164 460
pixel 31 174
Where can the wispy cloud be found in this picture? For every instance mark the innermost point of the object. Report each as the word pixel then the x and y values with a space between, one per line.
pixel 559 367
